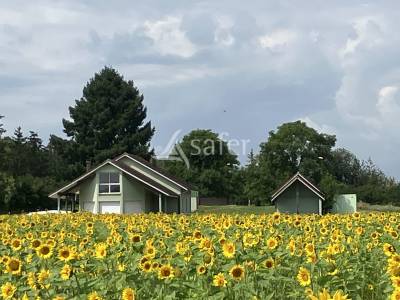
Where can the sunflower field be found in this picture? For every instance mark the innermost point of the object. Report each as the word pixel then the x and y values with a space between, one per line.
pixel 160 256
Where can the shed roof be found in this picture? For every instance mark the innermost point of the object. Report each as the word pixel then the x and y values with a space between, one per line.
pixel 150 183
pixel 303 180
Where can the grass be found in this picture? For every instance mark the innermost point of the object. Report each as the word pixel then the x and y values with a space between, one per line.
pixel 235 209
pixel 377 207
pixel 243 209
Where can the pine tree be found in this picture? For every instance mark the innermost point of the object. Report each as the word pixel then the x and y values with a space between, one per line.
pixel 109 119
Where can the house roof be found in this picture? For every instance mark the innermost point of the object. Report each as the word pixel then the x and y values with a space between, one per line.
pixel 186 186
pixel 303 180
pixel 150 183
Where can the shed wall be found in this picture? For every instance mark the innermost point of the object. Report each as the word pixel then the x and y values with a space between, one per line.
pixel 307 201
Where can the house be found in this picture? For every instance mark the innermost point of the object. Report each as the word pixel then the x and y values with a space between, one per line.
pixel 127 184
pixel 298 195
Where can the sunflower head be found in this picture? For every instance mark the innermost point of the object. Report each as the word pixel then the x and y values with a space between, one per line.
pixel 44 251
pixel 13 266
pixel 94 296
pixel 165 272
pixel 66 272
pixel 8 290
pixel 228 249
pixel 303 277
pixel 100 251
pixel 16 244
pixel 219 280
pixel 128 294
pixel 269 263
pixel 201 269
pixel 65 254
pixel 272 243
pixel 237 272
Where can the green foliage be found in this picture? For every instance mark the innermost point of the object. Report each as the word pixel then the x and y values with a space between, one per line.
pixel 25 173
pixel 331 187
pixel 294 147
pixel 213 167
pixel 7 191
pixel 108 120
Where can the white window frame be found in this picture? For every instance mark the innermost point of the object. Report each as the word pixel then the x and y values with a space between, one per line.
pixel 109 184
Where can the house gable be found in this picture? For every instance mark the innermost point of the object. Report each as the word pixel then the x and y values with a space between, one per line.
pixel 121 167
pixel 297 178
pixel 152 172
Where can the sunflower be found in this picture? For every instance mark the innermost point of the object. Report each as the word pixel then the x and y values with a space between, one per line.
pixel 16 244
pixel 207 259
pixel 65 254
pixel 35 244
pixel 272 243
pixel 150 251
pixel 100 251
pixel 269 263
pixel 128 294
pixel 146 266
pixel 197 235
pixel 228 249
pixel 201 269
pixel 8 290
pixel 44 251
pixel 395 295
pixel 165 272
pixel 121 267
pixel 219 280
pixel 303 277
pixel 94 296
pixel 13 266
pixel 237 272
pixel 310 249
pixel 136 238
pixel 395 281
pixel 388 249
pixel 66 272
pixel 31 280
pixel 4 259
pixel 43 276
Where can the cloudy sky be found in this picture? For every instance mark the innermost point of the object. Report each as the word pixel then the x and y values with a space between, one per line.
pixel 240 68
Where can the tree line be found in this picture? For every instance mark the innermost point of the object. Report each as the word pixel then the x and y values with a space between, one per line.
pixel 110 118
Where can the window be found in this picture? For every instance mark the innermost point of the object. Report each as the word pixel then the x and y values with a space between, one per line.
pixel 109 183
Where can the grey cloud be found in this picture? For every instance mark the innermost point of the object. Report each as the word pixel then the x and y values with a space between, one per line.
pixel 48 51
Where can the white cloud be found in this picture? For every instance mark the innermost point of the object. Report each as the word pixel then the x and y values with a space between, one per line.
pixel 388 102
pixel 367 34
pixel 168 38
pixel 322 128
pixel 277 39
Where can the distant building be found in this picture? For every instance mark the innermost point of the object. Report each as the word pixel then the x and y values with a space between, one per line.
pixel 298 195
pixel 127 184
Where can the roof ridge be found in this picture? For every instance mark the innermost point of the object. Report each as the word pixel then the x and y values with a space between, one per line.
pixel 160 170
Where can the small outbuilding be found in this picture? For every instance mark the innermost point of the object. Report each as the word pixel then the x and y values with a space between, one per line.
pixel 298 195
pixel 127 184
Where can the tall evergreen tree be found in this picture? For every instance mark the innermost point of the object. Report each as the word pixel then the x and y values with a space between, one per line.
pixel 109 119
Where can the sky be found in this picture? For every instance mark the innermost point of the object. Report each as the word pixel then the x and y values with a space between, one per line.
pixel 238 68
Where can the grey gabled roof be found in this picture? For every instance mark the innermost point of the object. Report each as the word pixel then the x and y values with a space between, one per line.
pixel 303 180
pixel 150 183
pixel 186 186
